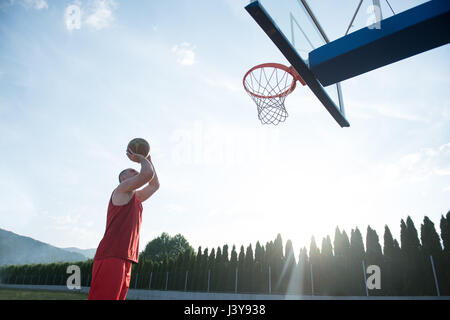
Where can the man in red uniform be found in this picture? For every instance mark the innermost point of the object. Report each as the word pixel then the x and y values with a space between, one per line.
pixel 119 247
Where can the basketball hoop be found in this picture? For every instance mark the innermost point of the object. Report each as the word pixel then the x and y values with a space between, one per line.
pixel 268 85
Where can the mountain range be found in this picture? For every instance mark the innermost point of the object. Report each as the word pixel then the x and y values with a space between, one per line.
pixel 16 249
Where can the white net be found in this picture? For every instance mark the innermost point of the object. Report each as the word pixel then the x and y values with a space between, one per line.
pixel 269 86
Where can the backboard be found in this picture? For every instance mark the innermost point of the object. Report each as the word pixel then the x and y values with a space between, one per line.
pixel 295 30
pixel 366 35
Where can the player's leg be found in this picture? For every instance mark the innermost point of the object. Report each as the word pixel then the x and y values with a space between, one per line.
pixel 107 275
pixel 125 279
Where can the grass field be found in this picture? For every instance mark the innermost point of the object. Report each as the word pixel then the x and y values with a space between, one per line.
pixel 20 294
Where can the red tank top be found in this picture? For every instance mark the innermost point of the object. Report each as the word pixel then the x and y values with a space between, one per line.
pixel 121 238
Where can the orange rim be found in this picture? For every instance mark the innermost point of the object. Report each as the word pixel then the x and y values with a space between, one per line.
pixel 296 77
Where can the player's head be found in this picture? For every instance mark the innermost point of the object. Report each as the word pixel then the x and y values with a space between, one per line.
pixel 126 174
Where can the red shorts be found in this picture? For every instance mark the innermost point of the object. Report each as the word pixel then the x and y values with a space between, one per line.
pixel 110 279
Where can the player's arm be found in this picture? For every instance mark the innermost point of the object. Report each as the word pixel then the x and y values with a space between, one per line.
pixel 145 175
pixel 152 186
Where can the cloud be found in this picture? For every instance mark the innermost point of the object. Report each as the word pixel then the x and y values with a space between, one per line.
pixel 27 4
pixel 36 4
pixel 102 14
pixel 98 15
pixel 421 165
pixel 185 53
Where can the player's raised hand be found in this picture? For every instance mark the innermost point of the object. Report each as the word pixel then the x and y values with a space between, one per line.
pixel 135 157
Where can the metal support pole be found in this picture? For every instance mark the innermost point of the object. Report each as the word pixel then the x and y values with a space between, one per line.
pixel 236 281
pixel 312 278
pixel 270 280
pixel 209 279
pixel 167 279
pixel 150 281
pixel 135 282
pixel 365 279
pixel 354 16
pixel 435 277
pixel 186 280
pixel 315 21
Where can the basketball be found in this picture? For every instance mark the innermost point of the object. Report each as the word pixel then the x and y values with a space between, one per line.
pixel 139 145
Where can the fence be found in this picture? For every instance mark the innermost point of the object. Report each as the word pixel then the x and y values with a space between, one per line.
pixel 301 279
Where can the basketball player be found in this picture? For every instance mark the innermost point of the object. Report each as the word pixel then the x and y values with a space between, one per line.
pixel 119 247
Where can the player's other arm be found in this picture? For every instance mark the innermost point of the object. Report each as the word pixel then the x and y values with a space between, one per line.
pixel 145 175
pixel 152 186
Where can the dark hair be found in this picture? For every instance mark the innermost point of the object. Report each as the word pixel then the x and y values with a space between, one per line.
pixel 120 174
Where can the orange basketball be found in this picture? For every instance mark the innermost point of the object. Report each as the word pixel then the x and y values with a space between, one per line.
pixel 139 145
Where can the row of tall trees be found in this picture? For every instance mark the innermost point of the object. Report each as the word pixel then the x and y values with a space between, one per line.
pixel 333 267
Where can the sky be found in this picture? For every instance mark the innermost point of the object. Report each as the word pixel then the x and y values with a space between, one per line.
pixel 79 79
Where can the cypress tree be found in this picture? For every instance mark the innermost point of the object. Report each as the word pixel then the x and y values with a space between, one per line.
pixel 391 278
pixel 327 275
pixel 403 240
pixel 278 261
pixel 314 260
pixel 241 259
pixel 445 232
pixel 431 246
pixel 269 254
pixel 430 239
pixel 218 267
pixel 260 275
pixel 196 274
pixel 232 269
pixel 373 248
pixel 413 262
pixel 304 272
pixel 346 276
pixel 191 268
pixel 413 240
pixel 342 255
pixel 211 268
pixel 288 269
pixel 357 255
pixel 445 235
pixel 203 281
pixel 225 253
pixel 258 254
pixel 224 270
pixel 374 255
pixel 175 277
pixel 345 245
pixel 338 251
pixel 247 272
